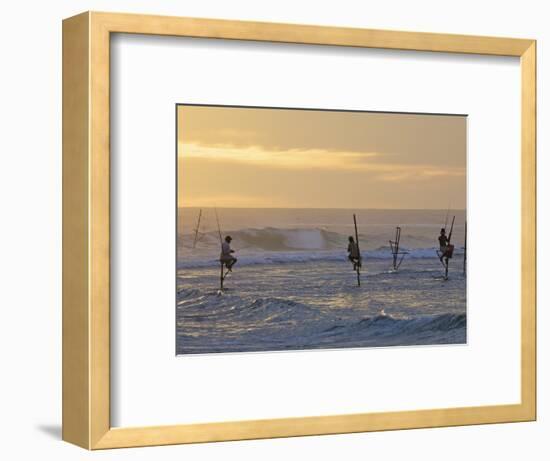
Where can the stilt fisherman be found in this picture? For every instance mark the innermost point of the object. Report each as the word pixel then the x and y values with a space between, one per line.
pixel 226 256
pixel 353 253
pixel 443 243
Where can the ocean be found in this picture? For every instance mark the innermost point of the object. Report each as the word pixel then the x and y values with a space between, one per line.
pixel 294 289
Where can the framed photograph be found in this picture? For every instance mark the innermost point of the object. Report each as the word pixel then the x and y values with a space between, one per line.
pixel 276 230
pixel 306 195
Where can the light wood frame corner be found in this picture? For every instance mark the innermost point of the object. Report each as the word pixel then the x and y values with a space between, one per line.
pixel 86 244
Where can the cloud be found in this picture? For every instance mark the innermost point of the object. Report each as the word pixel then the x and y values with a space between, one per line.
pixel 395 138
pixel 290 158
pixel 315 159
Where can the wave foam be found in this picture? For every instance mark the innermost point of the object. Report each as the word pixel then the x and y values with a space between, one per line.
pixel 268 322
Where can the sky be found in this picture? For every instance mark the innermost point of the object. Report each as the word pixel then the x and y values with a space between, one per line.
pixel 292 158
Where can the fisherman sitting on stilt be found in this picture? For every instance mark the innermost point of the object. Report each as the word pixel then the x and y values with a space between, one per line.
pixel 226 256
pixel 353 253
pixel 443 242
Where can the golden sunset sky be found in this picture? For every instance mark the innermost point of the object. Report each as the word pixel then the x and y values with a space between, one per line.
pixel 287 158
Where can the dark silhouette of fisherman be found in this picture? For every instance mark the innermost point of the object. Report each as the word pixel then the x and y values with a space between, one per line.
pixel 443 246
pixel 353 253
pixel 226 256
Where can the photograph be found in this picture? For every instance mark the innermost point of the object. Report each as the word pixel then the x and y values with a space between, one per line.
pixel 306 229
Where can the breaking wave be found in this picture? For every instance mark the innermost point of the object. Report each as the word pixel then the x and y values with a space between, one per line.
pixel 273 323
pixel 275 245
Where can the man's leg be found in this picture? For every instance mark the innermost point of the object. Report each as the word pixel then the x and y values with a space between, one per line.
pixel 231 263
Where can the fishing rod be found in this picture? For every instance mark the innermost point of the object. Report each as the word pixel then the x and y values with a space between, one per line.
pixel 197 229
pixel 447 216
pixel 218 223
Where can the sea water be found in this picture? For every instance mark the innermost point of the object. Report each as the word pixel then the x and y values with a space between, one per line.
pixel 293 287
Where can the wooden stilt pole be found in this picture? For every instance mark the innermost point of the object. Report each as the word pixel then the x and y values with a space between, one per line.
pixel 394 246
pixel 221 245
pixel 451 231
pixel 397 239
pixel 465 246
pixel 357 267
pixel 396 253
pixel 393 249
pixel 449 242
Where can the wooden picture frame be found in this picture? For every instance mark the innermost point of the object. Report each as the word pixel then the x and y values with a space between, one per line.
pixel 86 230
